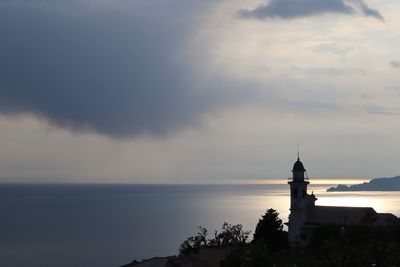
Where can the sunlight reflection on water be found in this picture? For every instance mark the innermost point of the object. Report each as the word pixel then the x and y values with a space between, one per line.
pixel 384 202
pixel 119 223
pixel 380 201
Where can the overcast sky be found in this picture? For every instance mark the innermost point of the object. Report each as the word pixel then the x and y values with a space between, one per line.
pixel 149 91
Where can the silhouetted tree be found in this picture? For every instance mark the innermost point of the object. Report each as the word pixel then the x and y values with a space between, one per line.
pixel 193 243
pixel 230 235
pixel 270 231
pixel 330 245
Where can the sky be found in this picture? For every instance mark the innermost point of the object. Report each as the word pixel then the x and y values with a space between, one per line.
pixel 185 91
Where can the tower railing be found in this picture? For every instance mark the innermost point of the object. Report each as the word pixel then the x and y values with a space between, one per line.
pixel 290 179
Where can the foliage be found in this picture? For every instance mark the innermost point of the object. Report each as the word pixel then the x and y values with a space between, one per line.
pixel 330 246
pixel 255 254
pixel 353 246
pixel 193 243
pixel 270 231
pixel 230 235
pixel 359 245
pixel 269 239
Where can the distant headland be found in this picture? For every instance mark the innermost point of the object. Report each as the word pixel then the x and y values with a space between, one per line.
pixel 376 184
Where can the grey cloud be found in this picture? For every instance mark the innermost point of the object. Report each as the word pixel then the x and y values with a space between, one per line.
pixel 333 71
pixel 290 9
pixel 114 70
pixel 383 110
pixel 369 12
pixel 395 64
pixel 333 48
pixel 310 106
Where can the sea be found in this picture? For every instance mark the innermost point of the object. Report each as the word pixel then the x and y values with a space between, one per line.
pixel 110 225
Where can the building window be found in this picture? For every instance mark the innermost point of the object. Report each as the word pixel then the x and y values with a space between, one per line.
pixel 294 192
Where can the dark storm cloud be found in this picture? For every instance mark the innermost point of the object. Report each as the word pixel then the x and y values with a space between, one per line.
pixel 369 12
pixel 290 9
pixel 114 70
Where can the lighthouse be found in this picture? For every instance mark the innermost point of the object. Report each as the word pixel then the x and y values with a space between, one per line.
pixel 299 201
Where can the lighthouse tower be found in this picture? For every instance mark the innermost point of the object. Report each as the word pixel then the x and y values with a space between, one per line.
pixel 299 201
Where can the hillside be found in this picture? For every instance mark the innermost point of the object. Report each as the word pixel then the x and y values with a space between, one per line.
pixel 376 184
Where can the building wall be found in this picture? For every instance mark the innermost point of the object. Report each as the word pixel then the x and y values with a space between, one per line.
pixel 299 202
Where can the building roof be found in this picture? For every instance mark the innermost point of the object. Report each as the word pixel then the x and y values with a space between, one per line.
pixel 325 215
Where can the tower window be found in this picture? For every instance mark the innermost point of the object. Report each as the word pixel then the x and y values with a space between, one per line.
pixel 294 192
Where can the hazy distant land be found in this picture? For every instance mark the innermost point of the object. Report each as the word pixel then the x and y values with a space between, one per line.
pixel 376 184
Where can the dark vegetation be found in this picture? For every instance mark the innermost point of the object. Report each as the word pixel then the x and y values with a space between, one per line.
pixel 329 246
pixel 231 235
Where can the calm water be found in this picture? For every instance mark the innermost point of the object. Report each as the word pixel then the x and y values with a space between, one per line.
pixel 109 225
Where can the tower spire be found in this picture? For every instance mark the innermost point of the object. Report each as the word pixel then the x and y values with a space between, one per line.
pixel 298 151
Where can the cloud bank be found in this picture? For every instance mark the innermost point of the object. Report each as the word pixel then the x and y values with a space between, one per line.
pixel 291 9
pixel 111 68
pixel 395 64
